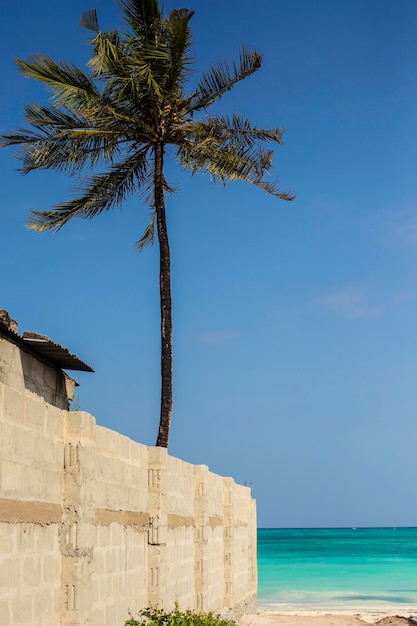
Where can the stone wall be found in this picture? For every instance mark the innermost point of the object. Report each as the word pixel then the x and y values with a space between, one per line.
pixel 93 524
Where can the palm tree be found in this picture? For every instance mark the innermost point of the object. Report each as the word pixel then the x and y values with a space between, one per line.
pixel 123 116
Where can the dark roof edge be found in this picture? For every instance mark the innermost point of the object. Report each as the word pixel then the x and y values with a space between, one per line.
pixel 43 347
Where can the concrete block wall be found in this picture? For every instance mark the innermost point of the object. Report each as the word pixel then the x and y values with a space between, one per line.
pixel 94 525
pixel 31 464
pixel 122 522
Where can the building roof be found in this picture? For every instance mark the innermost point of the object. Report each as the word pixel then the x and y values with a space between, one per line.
pixel 41 344
pixel 43 347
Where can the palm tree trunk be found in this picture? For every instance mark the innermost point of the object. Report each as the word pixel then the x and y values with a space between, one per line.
pixel 165 301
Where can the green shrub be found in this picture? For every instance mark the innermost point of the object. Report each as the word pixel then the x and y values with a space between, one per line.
pixel 158 617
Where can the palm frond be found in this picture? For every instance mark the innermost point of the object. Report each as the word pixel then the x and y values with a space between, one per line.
pixel 102 115
pixel 236 129
pixel 148 236
pixel 76 91
pixel 132 72
pixel 62 141
pixel 227 163
pixel 70 152
pixel 179 44
pixel 89 20
pixel 236 134
pixel 18 137
pixel 47 116
pixel 142 18
pixel 227 166
pixel 70 86
pixel 220 78
pixel 102 192
pixel 231 148
pixel 108 55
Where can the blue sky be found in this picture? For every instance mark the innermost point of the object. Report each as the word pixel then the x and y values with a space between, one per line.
pixel 295 325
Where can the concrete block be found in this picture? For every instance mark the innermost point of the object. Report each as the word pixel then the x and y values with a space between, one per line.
pixel 32 482
pixel 55 595
pixel 157 457
pixel 54 421
pixel 101 438
pixel 11 477
pixel 48 539
pixel 139 478
pixel 1 400
pixel 31 571
pixel 9 572
pixel 10 362
pixel 80 425
pixel 22 610
pixel 53 486
pixel 113 443
pixel 117 534
pixel 7 438
pixel 5 613
pixel 25 445
pixel 111 617
pixel 139 454
pixel 14 407
pixel 116 472
pixel 35 413
pixel 26 538
pixel 45 452
pixel 86 536
pixel 116 496
pixel 127 471
pixel 136 500
pixel 7 536
pixel 103 536
pixel 125 444
pixel 43 603
pixel 111 561
pixel 88 458
pixel 83 598
pixel 118 585
pixel 104 467
pixel 99 561
pixel 100 494
pixel 98 615
pixel 133 557
pixel 51 569
pixel 14 380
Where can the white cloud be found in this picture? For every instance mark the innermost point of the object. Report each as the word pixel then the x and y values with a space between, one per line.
pixel 350 303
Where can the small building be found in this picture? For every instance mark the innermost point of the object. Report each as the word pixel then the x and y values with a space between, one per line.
pixel 33 362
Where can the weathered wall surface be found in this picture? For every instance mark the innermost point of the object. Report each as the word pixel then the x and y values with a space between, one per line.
pixel 93 525
pixel 21 370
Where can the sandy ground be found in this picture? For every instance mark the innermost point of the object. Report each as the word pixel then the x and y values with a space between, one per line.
pixel 330 618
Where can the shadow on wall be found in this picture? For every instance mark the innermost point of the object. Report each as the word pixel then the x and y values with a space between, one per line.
pixel 33 362
pixel 48 382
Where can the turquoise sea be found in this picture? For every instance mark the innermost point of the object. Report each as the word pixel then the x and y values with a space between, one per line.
pixel 337 568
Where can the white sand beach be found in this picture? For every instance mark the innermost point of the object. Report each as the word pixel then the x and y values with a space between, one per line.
pixel 331 618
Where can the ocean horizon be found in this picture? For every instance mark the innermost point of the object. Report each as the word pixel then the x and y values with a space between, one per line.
pixel 337 568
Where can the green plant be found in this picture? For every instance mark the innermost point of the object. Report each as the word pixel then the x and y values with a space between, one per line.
pixel 159 617
pixel 74 404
